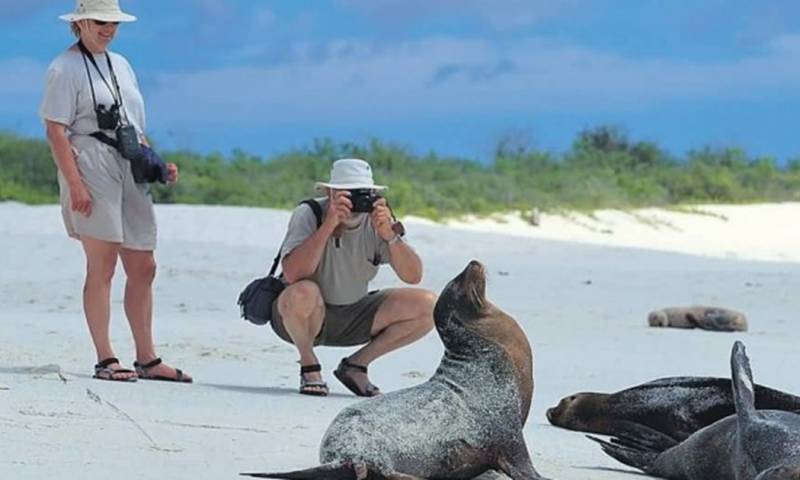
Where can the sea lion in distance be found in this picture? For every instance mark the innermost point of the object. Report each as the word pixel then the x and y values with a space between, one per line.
pixel 466 420
pixel 676 406
pixel 750 445
pixel 706 318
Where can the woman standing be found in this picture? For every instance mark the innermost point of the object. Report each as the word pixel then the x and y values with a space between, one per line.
pixel 90 90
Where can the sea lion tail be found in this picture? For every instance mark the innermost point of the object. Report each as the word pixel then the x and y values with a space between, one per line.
pixel 329 471
pixel 744 396
pixel 629 455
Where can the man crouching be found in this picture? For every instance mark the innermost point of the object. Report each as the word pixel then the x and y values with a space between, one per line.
pixel 327 271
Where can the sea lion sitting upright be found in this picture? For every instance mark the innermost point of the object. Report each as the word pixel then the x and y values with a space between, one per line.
pixel 752 444
pixel 706 318
pixel 675 406
pixel 466 420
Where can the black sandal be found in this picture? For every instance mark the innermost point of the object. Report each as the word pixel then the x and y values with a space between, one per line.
pixel 142 371
pixel 341 373
pixel 316 388
pixel 102 371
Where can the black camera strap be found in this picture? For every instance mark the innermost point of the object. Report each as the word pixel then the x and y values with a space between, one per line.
pixel 116 93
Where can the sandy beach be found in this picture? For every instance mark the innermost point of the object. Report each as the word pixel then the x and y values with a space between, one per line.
pixel 580 286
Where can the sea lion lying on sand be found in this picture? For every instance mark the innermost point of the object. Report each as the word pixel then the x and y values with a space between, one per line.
pixel 750 445
pixel 675 406
pixel 706 318
pixel 466 420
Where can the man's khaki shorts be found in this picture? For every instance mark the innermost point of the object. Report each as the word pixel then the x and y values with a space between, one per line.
pixel 122 210
pixel 344 325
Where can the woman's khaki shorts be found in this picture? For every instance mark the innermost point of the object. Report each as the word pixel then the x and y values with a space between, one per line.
pixel 122 210
pixel 344 325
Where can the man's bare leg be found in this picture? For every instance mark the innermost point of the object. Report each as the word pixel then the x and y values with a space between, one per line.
pixel 303 310
pixel 403 318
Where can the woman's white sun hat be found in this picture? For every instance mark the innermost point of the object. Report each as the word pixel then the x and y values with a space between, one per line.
pixel 103 10
pixel 350 173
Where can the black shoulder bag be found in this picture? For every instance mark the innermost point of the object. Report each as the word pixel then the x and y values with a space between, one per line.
pixel 255 301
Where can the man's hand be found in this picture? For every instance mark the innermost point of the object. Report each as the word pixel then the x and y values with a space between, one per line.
pixel 79 198
pixel 339 207
pixel 382 219
pixel 172 173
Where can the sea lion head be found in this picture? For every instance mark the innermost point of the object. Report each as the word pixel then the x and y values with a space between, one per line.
pixel 581 411
pixel 658 318
pixel 463 300
pixel 478 332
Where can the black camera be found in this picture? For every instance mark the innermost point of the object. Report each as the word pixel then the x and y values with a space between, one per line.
pixel 363 199
pixel 107 119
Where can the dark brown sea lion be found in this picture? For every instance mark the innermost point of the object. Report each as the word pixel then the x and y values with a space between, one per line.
pixel 466 420
pixel 675 406
pixel 706 318
pixel 752 444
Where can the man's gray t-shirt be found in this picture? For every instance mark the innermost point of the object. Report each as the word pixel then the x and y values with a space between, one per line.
pixel 347 264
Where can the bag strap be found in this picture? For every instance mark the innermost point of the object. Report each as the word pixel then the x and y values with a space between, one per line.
pixel 317 209
pixel 105 139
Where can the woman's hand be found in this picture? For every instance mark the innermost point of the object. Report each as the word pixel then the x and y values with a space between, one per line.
pixel 79 198
pixel 172 173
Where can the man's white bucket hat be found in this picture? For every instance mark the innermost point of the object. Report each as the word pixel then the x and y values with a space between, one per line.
pixel 102 10
pixel 350 173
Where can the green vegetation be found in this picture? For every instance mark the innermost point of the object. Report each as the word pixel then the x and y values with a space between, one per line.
pixel 603 169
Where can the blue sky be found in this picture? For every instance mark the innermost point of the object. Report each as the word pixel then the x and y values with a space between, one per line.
pixel 451 76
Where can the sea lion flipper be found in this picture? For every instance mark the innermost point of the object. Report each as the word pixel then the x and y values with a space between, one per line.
pixel 640 437
pixel 632 456
pixel 744 397
pixel 516 463
pixel 329 471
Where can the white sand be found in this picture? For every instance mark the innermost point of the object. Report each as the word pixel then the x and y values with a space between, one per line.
pixel 583 303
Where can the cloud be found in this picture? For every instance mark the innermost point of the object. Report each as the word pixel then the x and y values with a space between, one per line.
pixel 473 73
pixel 360 82
pixel 498 14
